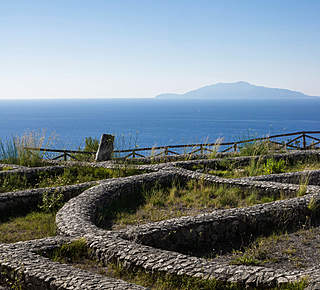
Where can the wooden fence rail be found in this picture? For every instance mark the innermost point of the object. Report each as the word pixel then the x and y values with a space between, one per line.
pixel 300 141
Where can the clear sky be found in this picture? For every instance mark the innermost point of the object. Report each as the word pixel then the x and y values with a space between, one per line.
pixel 141 48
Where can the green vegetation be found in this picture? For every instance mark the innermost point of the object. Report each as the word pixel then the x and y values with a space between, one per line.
pixel 161 203
pixel 70 175
pixel 51 202
pixel 255 148
pixel 6 168
pixel 37 224
pixel 34 225
pixel 303 184
pixel 41 223
pixel 159 281
pixel 258 166
pixel 91 145
pixel 272 166
pixel 283 250
pixel 260 252
pixel 12 149
pixel 71 252
pixel 314 206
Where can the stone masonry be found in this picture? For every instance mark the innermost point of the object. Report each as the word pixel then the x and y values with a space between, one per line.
pixel 166 246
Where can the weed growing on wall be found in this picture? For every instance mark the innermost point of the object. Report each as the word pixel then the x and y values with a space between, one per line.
pixel 314 206
pixel 303 184
pixel 71 252
pixel 14 279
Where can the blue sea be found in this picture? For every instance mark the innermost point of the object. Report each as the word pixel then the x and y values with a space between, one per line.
pixel 149 122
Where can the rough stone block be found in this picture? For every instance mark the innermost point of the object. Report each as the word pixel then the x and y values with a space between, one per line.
pixel 105 150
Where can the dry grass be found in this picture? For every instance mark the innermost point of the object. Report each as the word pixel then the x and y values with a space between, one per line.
pixel 163 203
pixel 34 225
pixel 289 251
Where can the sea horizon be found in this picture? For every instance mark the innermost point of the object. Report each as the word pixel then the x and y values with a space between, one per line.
pixel 147 122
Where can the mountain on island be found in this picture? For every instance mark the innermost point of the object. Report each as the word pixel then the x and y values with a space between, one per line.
pixel 237 90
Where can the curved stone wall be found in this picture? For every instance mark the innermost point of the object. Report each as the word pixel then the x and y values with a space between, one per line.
pixel 26 267
pixel 146 246
pixel 21 262
pixel 163 247
pixel 310 177
pixel 27 200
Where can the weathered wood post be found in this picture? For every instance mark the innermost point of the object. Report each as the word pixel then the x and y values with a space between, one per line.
pixel 304 141
pixel 235 147
pixel 201 148
pixel 105 149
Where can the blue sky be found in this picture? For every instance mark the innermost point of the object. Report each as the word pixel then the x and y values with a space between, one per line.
pixel 91 49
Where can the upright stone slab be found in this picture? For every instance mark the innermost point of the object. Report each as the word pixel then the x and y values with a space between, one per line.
pixel 105 148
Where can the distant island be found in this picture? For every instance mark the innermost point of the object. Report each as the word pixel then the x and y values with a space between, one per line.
pixel 237 90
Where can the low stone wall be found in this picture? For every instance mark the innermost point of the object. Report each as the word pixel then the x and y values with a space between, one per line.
pixel 164 247
pixel 22 264
pixel 78 216
pixel 11 166
pixel 146 246
pixel 33 172
pixel 223 230
pixel 219 155
pixel 307 177
pixel 220 162
pixel 25 201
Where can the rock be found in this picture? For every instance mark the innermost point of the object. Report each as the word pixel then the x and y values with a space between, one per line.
pixel 105 149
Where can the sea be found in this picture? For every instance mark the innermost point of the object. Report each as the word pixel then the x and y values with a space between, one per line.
pixel 156 122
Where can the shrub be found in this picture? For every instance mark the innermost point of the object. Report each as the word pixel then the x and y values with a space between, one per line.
pixel 51 202
pixel 272 166
pixel 91 145
pixel 254 148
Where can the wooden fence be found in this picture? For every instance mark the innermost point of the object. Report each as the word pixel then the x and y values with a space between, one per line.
pixel 298 141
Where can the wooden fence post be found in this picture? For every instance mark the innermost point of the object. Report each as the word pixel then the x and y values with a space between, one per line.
pixel 304 141
pixel 235 147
